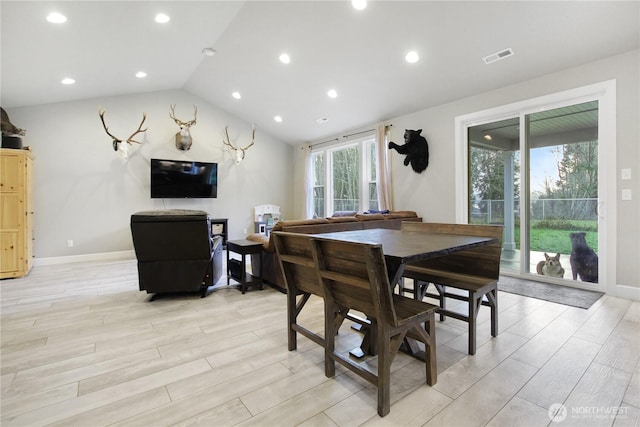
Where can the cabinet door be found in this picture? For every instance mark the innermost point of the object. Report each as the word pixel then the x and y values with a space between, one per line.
pixel 9 259
pixel 9 173
pixel 15 223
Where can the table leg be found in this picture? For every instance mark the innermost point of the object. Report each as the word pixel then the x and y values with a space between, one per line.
pixel 369 340
pixel 243 277
pixel 228 268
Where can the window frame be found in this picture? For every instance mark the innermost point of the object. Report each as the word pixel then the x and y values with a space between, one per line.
pixel 365 171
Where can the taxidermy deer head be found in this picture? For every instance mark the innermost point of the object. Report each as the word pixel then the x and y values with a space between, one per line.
pixel 118 145
pixel 239 152
pixel 183 138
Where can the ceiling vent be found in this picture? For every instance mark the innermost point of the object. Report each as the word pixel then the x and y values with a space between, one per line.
pixel 498 56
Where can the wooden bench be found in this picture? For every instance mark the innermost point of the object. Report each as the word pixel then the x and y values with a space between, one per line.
pixel 301 279
pixel 354 276
pixel 475 271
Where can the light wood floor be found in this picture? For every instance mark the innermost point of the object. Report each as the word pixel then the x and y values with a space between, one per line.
pixel 81 346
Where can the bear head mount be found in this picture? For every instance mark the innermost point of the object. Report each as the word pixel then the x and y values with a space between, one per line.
pixel 415 148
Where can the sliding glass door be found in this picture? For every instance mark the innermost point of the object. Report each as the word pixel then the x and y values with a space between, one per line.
pixel 494 182
pixel 538 172
pixel 562 147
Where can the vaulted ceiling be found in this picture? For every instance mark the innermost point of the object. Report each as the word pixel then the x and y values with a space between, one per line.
pixel 358 53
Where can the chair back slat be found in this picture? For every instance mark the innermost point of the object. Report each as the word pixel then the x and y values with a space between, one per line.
pixel 298 266
pixel 482 261
pixel 354 275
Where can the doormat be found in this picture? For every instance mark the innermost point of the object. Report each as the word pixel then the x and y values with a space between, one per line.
pixel 549 292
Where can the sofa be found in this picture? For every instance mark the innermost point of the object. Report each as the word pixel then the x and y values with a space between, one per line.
pixel 176 251
pixel 268 258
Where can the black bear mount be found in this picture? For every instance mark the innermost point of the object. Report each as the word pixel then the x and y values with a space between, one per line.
pixel 415 148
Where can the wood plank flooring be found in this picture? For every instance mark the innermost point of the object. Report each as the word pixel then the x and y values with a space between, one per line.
pixel 81 346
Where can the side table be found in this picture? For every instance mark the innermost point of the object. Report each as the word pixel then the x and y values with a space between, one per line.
pixel 243 248
pixel 219 227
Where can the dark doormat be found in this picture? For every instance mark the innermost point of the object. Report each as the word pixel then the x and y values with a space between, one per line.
pixel 549 292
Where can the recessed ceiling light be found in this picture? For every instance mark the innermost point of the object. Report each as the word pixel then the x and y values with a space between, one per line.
pixel 322 120
pixel 278 119
pixel 488 137
pixel 285 59
pixel 141 74
pixel 332 93
pixel 161 18
pixel 359 4
pixel 56 18
pixel 236 95
pixel 208 51
pixel 412 57
pixel 67 81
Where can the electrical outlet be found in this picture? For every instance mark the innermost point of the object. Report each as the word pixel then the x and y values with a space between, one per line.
pixel 244 231
pixel 626 194
pixel 625 174
pixel 69 243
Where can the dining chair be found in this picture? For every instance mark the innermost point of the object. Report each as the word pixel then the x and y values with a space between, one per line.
pixel 301 281
pixel 474 271
pixel 354 275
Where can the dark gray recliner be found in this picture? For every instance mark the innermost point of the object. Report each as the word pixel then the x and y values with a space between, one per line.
pixel 176 251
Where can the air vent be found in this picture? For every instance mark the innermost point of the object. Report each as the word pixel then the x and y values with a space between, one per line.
pixel 498 56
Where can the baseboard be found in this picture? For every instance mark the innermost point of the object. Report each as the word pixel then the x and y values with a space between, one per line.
pixel 106 256
pixel 628 292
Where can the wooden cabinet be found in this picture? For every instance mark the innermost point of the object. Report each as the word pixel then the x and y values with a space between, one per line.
pixel 16 212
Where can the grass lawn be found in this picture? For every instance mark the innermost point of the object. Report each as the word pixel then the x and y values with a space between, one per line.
pixel 556 240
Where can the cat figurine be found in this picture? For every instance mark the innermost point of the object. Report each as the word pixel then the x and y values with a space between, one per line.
pixel 550 266
pixel 584 261
pixel 7 127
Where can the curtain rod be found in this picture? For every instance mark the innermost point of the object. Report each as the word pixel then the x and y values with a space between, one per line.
pixel 358 133
pixel 344 136
pixel 320 143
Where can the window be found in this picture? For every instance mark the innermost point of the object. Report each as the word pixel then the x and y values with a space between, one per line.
pixel 318 184
pixel 344 178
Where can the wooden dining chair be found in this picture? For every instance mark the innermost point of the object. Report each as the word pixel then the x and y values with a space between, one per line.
pixel 354 275
pixel 475 271
pixel 301 280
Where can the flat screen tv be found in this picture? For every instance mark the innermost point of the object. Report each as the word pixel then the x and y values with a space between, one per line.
pixel 179 179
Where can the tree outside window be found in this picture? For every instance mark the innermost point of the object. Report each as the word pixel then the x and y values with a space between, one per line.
pixel 345 178
pixel 318 184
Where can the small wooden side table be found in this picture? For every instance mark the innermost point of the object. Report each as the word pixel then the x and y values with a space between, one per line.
pixel 243 248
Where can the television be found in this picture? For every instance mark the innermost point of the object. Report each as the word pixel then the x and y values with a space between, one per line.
pixel 179 179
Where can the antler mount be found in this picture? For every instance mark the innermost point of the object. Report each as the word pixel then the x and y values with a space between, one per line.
pixel 117 141
pixel 240 152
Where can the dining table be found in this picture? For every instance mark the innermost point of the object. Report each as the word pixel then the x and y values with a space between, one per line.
pixel 401 247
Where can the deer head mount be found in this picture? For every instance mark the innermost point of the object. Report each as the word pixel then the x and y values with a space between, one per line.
pixel 118 145
pixel 239 152
pixel 183 138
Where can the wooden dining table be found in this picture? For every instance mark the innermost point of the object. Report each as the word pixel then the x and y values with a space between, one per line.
pixel 401 248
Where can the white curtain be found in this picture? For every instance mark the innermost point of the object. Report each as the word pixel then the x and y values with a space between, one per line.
pixel 383 172
pixel 308 183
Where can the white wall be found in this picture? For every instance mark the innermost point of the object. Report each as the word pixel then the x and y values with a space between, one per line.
pixel 431 193
pixel 84 192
